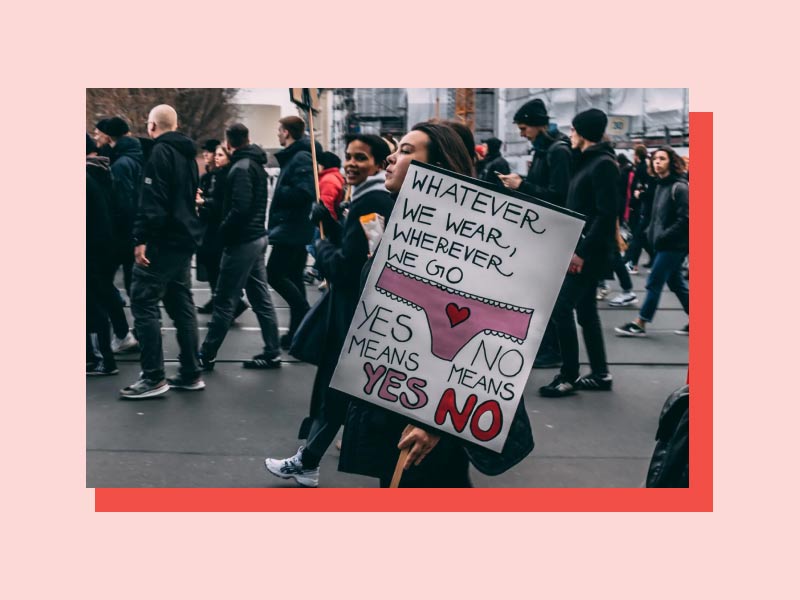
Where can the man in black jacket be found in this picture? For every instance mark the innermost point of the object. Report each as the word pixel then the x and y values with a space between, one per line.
pixel 166 232
pixel 99 245
pixel 551 168
pixel 245 243
pixel 593 193
pixel 126 169
pixel 494 162
pixel 548 179
pixel 289 228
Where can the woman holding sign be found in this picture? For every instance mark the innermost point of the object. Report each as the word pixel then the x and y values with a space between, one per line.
pixel 340 264
pixel 373 436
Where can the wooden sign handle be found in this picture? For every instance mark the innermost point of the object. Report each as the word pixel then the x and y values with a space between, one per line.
pixel 398 470
pixel 314 164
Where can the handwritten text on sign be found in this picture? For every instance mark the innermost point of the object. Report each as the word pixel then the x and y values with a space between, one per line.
pixel 456 304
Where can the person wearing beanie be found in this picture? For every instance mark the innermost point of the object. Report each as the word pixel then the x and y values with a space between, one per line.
pixel 593 193
pixel 127 161
pixel 494 162
pixel 548 179
pixel 591 124
pixel 101 138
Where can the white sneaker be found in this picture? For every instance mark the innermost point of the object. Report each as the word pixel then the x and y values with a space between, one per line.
pixel 292 468
pixel 125 344
pixel 624 299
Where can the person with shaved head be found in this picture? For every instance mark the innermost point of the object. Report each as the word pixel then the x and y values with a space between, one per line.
pixel 166 232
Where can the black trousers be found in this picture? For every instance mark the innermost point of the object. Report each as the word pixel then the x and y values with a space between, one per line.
pixel 167 278
pixel 578 296
pixel 285 276
pixel 97 318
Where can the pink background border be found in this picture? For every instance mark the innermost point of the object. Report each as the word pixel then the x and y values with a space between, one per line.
pixel 60 547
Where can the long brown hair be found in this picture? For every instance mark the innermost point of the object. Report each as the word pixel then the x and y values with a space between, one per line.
pixel 676 164
pixel 446 149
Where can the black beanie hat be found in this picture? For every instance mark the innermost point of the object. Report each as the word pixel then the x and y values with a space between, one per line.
pixel 329 160
pixel 115 127
pixel 591 124
pixel 493 144
pixel 102 125
pixel 210 145
pixel 90 145
pixel 532 113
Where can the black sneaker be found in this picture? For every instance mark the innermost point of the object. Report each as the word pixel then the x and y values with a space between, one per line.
pixel 179 382
pixel 560 386
pixel 100 368
pixel 207 308
pixel 683 330
pixel 144 388
pixel 630 330
pixel 286 340
pixel 242 306
pixel 206 362
pixel 594 382
pixel 261 361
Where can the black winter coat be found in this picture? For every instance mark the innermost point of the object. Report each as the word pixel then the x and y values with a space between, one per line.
pixel 551 170
pixel 127 160
pixel 245 209
pixel 294 194
pixel 491 164
pixel 213 185
pixel 99 224
pixel 669 466
pixel 593 192
pixel 669 219
pixel 341 265
pixel 167 213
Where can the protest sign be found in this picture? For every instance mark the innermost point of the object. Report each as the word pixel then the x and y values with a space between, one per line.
pixel 456 303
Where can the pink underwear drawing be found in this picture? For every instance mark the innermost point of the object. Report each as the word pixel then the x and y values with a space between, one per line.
pixel 454 317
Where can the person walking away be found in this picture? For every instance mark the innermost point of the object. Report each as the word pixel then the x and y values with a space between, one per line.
pixel 592 193
pixel 244 240
pixel 289 229
pixel 167 232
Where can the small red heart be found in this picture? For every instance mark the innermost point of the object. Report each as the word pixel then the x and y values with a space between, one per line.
pixel 455 314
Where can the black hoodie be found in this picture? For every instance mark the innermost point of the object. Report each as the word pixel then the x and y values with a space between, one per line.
pixel 166 215
pixel 99 232
pixel 244 211
pixel 294 194
pixel 551 169
pixel 127 160
pixel 593 193
pixel 669 223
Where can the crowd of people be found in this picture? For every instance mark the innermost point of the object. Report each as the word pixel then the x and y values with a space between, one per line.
pixel 149 211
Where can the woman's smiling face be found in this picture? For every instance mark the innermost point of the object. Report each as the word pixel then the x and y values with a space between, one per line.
pixel 359 163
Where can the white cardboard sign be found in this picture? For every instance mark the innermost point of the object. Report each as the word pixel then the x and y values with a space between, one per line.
pixel 456 303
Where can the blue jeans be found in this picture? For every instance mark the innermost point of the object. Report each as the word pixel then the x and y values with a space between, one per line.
pixel 666 269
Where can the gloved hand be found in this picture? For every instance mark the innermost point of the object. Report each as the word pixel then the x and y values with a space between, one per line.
pixel 319 212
